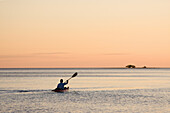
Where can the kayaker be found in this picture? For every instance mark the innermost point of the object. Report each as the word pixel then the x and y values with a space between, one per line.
pixel 61 84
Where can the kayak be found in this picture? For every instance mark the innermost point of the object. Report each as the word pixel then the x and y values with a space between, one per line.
pixel 61 90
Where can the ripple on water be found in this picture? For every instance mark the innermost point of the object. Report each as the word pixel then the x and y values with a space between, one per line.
pixel 129 100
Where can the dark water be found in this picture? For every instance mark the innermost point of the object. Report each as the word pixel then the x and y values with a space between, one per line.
pixel 84 72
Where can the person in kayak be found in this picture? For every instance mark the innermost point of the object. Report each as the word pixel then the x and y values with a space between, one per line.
pixel 61 84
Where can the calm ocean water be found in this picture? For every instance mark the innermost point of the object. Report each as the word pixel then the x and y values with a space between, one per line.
pixel 93 90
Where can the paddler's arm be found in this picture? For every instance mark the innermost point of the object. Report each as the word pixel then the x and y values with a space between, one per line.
pixel 66 82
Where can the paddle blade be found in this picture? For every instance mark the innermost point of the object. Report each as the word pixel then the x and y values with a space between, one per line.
pixel 75 74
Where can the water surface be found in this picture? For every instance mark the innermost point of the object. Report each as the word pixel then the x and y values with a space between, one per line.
pixel 93 90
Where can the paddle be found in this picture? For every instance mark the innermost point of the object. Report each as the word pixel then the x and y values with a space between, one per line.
pixel 74 75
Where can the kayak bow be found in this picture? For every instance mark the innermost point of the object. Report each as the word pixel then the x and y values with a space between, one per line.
pixel 60 90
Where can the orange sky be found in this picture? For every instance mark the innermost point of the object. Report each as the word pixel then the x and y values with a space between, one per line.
pixel 84 33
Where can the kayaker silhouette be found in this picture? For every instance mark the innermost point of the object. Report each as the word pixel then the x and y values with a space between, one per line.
pixel 61 84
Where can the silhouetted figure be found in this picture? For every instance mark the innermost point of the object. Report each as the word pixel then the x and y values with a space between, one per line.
pixel 61 84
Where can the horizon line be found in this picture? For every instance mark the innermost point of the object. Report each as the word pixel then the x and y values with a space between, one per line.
pixel 81 67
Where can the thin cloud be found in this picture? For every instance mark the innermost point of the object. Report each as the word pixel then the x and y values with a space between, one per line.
pixel 52 53
pixel 117 54
pixel 32 55
pixel 14 56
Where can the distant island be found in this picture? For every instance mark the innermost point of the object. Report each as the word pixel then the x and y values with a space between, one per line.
pixel 133 66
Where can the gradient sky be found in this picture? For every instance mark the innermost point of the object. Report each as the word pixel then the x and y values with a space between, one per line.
pixel 84 33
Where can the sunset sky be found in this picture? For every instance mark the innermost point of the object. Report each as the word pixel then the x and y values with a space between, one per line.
pixel 84 33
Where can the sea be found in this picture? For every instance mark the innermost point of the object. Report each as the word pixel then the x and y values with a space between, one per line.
pixel 93 90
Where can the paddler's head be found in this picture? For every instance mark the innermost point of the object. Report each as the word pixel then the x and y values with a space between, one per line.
pixel 61 80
